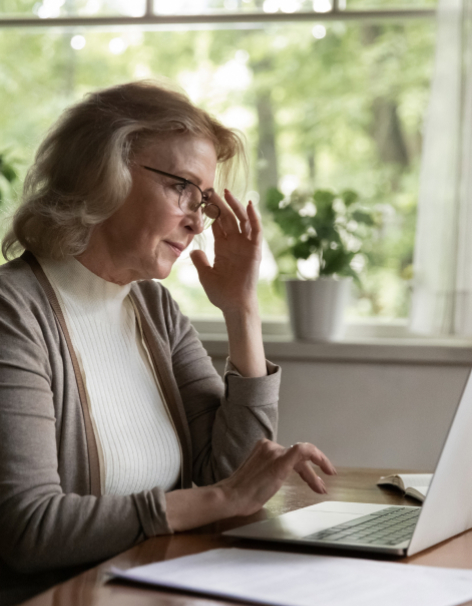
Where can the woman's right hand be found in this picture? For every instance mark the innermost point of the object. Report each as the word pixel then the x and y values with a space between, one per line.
pixel 247 490
pixel 266 469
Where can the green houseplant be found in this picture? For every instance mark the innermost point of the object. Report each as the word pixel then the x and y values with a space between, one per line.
pixel 328 228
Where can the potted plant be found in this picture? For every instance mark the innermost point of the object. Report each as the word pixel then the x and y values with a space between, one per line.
pixel 327 228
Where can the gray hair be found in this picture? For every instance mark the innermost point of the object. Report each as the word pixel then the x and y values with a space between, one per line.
pixel 81 175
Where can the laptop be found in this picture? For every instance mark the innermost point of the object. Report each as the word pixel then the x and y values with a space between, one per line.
pixel 391 530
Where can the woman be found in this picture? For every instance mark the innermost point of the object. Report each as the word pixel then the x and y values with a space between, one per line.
pixel 109 406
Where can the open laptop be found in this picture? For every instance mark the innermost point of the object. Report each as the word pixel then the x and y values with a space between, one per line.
pixel 446 511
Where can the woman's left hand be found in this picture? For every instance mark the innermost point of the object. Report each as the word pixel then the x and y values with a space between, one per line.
pixel 231 282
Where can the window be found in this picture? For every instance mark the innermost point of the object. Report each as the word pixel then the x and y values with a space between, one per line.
pixel 328 95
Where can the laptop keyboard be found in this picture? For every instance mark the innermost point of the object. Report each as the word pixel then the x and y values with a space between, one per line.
pixel 388 526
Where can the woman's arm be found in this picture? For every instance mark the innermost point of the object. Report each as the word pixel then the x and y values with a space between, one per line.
pixel 249 487
pixel 231 283
pixel 227 420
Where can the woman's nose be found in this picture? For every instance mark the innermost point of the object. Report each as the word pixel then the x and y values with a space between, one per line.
pixel 195 221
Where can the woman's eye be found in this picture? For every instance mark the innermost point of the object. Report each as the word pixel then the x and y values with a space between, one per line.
pixel 181 187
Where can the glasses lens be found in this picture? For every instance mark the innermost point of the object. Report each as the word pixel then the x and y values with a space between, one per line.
pixel 190 198
pixel 190 201
pixel 211 213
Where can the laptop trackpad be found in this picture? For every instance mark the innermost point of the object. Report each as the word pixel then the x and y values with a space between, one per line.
pixel 303 522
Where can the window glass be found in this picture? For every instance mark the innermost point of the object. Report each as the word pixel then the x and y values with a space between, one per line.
pixel 47 9
pixel 352 5
pixel 135 8
pixel 332 105
pixel 197 7
pixel 11 8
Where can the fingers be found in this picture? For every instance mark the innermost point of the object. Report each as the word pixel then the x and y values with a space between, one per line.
pixel 235 218
pixel 267 467
pixel 308 474
pixel 227 219
pixel 256 227
pixel 308 452
pixel 217 229
pixel 240 212
pixel 200 261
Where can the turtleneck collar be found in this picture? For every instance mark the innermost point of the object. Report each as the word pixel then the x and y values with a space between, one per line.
pixel 85 288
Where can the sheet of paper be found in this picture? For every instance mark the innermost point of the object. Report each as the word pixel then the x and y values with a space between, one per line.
pixel 291 579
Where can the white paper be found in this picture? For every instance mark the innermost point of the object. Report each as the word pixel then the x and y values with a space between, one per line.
pixel 292 579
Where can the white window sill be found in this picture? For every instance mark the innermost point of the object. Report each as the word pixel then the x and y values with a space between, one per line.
pixel 369 342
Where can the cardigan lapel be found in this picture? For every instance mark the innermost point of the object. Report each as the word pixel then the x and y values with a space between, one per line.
pixel 94 465
pixel 170 390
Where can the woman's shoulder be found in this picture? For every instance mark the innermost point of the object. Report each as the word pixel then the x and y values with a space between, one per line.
pixel 18 283
pixel 24 306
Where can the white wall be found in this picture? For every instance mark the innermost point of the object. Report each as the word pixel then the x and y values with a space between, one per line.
pixel 368 414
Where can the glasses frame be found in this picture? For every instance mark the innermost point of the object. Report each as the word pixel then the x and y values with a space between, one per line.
pixel 203 205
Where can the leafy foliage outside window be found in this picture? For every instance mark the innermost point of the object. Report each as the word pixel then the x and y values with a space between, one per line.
pixel 324 106
pixel 8 180
pixel 8 176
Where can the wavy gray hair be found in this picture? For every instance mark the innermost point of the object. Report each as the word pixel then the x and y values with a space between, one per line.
pixel 81 175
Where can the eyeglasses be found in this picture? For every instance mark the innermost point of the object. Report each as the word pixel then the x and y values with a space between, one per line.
pixel 191 198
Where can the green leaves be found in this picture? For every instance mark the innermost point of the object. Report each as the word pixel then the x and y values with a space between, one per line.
pixel 329 225
pixel 304 249
pixel 335 261
pixel 8 176
pixel 274 198
pixel 349 197
pixel 363 217
pixel 7 170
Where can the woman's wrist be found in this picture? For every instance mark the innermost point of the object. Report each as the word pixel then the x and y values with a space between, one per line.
pixel 230 498
pixel 244 311
pixel 246 348
pixel 193 507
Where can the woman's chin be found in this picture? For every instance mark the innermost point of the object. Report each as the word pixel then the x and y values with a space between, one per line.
pixel 160 271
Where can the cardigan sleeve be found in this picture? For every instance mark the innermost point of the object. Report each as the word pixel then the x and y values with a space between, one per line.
pixel 41 526
pixel 226 417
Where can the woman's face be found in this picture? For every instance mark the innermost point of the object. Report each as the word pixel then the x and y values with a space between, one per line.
pixel 147 234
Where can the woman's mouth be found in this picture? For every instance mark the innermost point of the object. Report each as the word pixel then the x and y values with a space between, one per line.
pixel 176 247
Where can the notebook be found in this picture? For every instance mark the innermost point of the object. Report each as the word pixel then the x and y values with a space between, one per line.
pixel 446 511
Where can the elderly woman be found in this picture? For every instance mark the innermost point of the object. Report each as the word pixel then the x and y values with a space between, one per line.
pixel 114 425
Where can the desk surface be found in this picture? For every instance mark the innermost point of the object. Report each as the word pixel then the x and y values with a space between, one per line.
pixel 90 588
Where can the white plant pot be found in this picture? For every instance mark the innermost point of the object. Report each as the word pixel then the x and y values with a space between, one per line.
pixel 317 307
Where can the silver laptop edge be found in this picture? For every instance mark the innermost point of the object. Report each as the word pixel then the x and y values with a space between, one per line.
pixel 446 511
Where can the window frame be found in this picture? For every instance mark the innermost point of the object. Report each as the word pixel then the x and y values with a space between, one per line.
pixel 214 19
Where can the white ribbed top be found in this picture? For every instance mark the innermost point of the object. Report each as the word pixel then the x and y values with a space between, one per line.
pixel 137 443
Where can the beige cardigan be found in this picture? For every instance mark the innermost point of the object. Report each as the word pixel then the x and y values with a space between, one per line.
pixel 51 512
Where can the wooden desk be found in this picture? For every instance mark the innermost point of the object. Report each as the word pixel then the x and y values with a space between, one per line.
pixel 90 589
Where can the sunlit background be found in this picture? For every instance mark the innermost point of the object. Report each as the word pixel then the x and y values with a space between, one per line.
pixel 327 104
